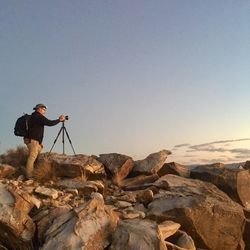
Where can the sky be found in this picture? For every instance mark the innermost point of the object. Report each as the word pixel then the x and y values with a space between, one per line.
pixel 134 76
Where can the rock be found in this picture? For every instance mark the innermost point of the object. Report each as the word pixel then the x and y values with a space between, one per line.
pixel 128 196
pixel 49 192
pixel 172 246
pixel 35 201
pixel 174 168
pixel 137 234
pixel 140 196
pixel 16 227
pixel 132 214
pixel 185 241
pixel 83 188
pixel 234 182
pixel 207 214
pixel 117 166
pixel 168 228
pixel 5 196
pixel 123 204
pixel 151 164
pixel 138 182
pixel 145 196
pixel 45 219
pixel 72 166
pixel 247 234
pixel 69 231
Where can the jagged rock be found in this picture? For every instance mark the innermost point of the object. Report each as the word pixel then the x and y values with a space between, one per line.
pixel 151 164
pixel 123 204
pixel 128 196
pixel 68 231
pixel 174 168
pixel 117 166
pixel 136 182
pixel 145 196
pixel 49 192
pixel 5 196
pixel 131 213
pixel 16 227
pixel 234 182
pixel 185 241
pixel 207 214
pixel 46 218
pixel 72 166
pixel 172 246
pixel 137 234
pixel 168 228
pixel 6 171
pixel 83 188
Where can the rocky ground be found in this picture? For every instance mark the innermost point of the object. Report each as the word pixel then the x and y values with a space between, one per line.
pixel 112 202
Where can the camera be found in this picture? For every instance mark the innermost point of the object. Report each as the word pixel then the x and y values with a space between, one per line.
pixel 66 117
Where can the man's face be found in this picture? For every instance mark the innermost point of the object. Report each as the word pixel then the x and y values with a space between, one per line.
pixel 41 110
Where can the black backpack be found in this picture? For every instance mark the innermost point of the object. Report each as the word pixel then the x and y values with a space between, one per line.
pixel 22 126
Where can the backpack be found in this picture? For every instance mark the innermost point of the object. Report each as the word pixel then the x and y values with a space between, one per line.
pixel 22 125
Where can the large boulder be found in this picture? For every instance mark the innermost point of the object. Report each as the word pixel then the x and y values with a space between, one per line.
pixel 90 226
pixel 207 214
pixel 137 235
pixel 117 166
pixel 70 166
pixel 151 164
pixel 234 182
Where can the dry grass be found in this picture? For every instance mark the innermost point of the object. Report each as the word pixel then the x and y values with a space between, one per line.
pixel 43 170
pixel 15 157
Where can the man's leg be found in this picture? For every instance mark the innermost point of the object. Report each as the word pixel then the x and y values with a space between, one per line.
pixel 34 149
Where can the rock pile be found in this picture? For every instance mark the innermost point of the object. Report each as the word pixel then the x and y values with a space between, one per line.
pixel 113 202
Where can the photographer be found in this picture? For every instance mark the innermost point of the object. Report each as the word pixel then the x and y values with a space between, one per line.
pixel 34 138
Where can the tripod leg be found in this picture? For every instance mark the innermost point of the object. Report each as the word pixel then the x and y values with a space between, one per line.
pixel 63 139
pixel 69 140
pixel 56 139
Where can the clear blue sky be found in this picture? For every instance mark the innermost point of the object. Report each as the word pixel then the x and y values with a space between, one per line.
pixel 134 77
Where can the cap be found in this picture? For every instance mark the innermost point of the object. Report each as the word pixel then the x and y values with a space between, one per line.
pixel 40 105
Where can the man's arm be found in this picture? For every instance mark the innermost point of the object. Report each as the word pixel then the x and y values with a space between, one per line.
pixel 46 122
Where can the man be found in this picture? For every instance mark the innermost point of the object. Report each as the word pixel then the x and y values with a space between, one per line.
pixel 34 138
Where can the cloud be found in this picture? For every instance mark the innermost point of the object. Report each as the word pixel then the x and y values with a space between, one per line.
pixel 212 147
pixel 216 151
pixel 182 145
pixel 207 149
pixel 217 142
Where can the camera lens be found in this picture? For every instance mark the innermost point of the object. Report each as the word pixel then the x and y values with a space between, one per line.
pixel 66 117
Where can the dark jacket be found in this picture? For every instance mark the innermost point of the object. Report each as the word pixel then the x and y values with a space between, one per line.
pixel 36 126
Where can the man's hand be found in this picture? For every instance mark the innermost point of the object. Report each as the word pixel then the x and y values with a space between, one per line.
pixel 62 118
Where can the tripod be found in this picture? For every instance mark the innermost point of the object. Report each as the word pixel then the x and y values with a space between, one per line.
pixel 63 130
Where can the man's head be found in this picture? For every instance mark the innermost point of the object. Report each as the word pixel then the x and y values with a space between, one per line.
pixel 40 108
